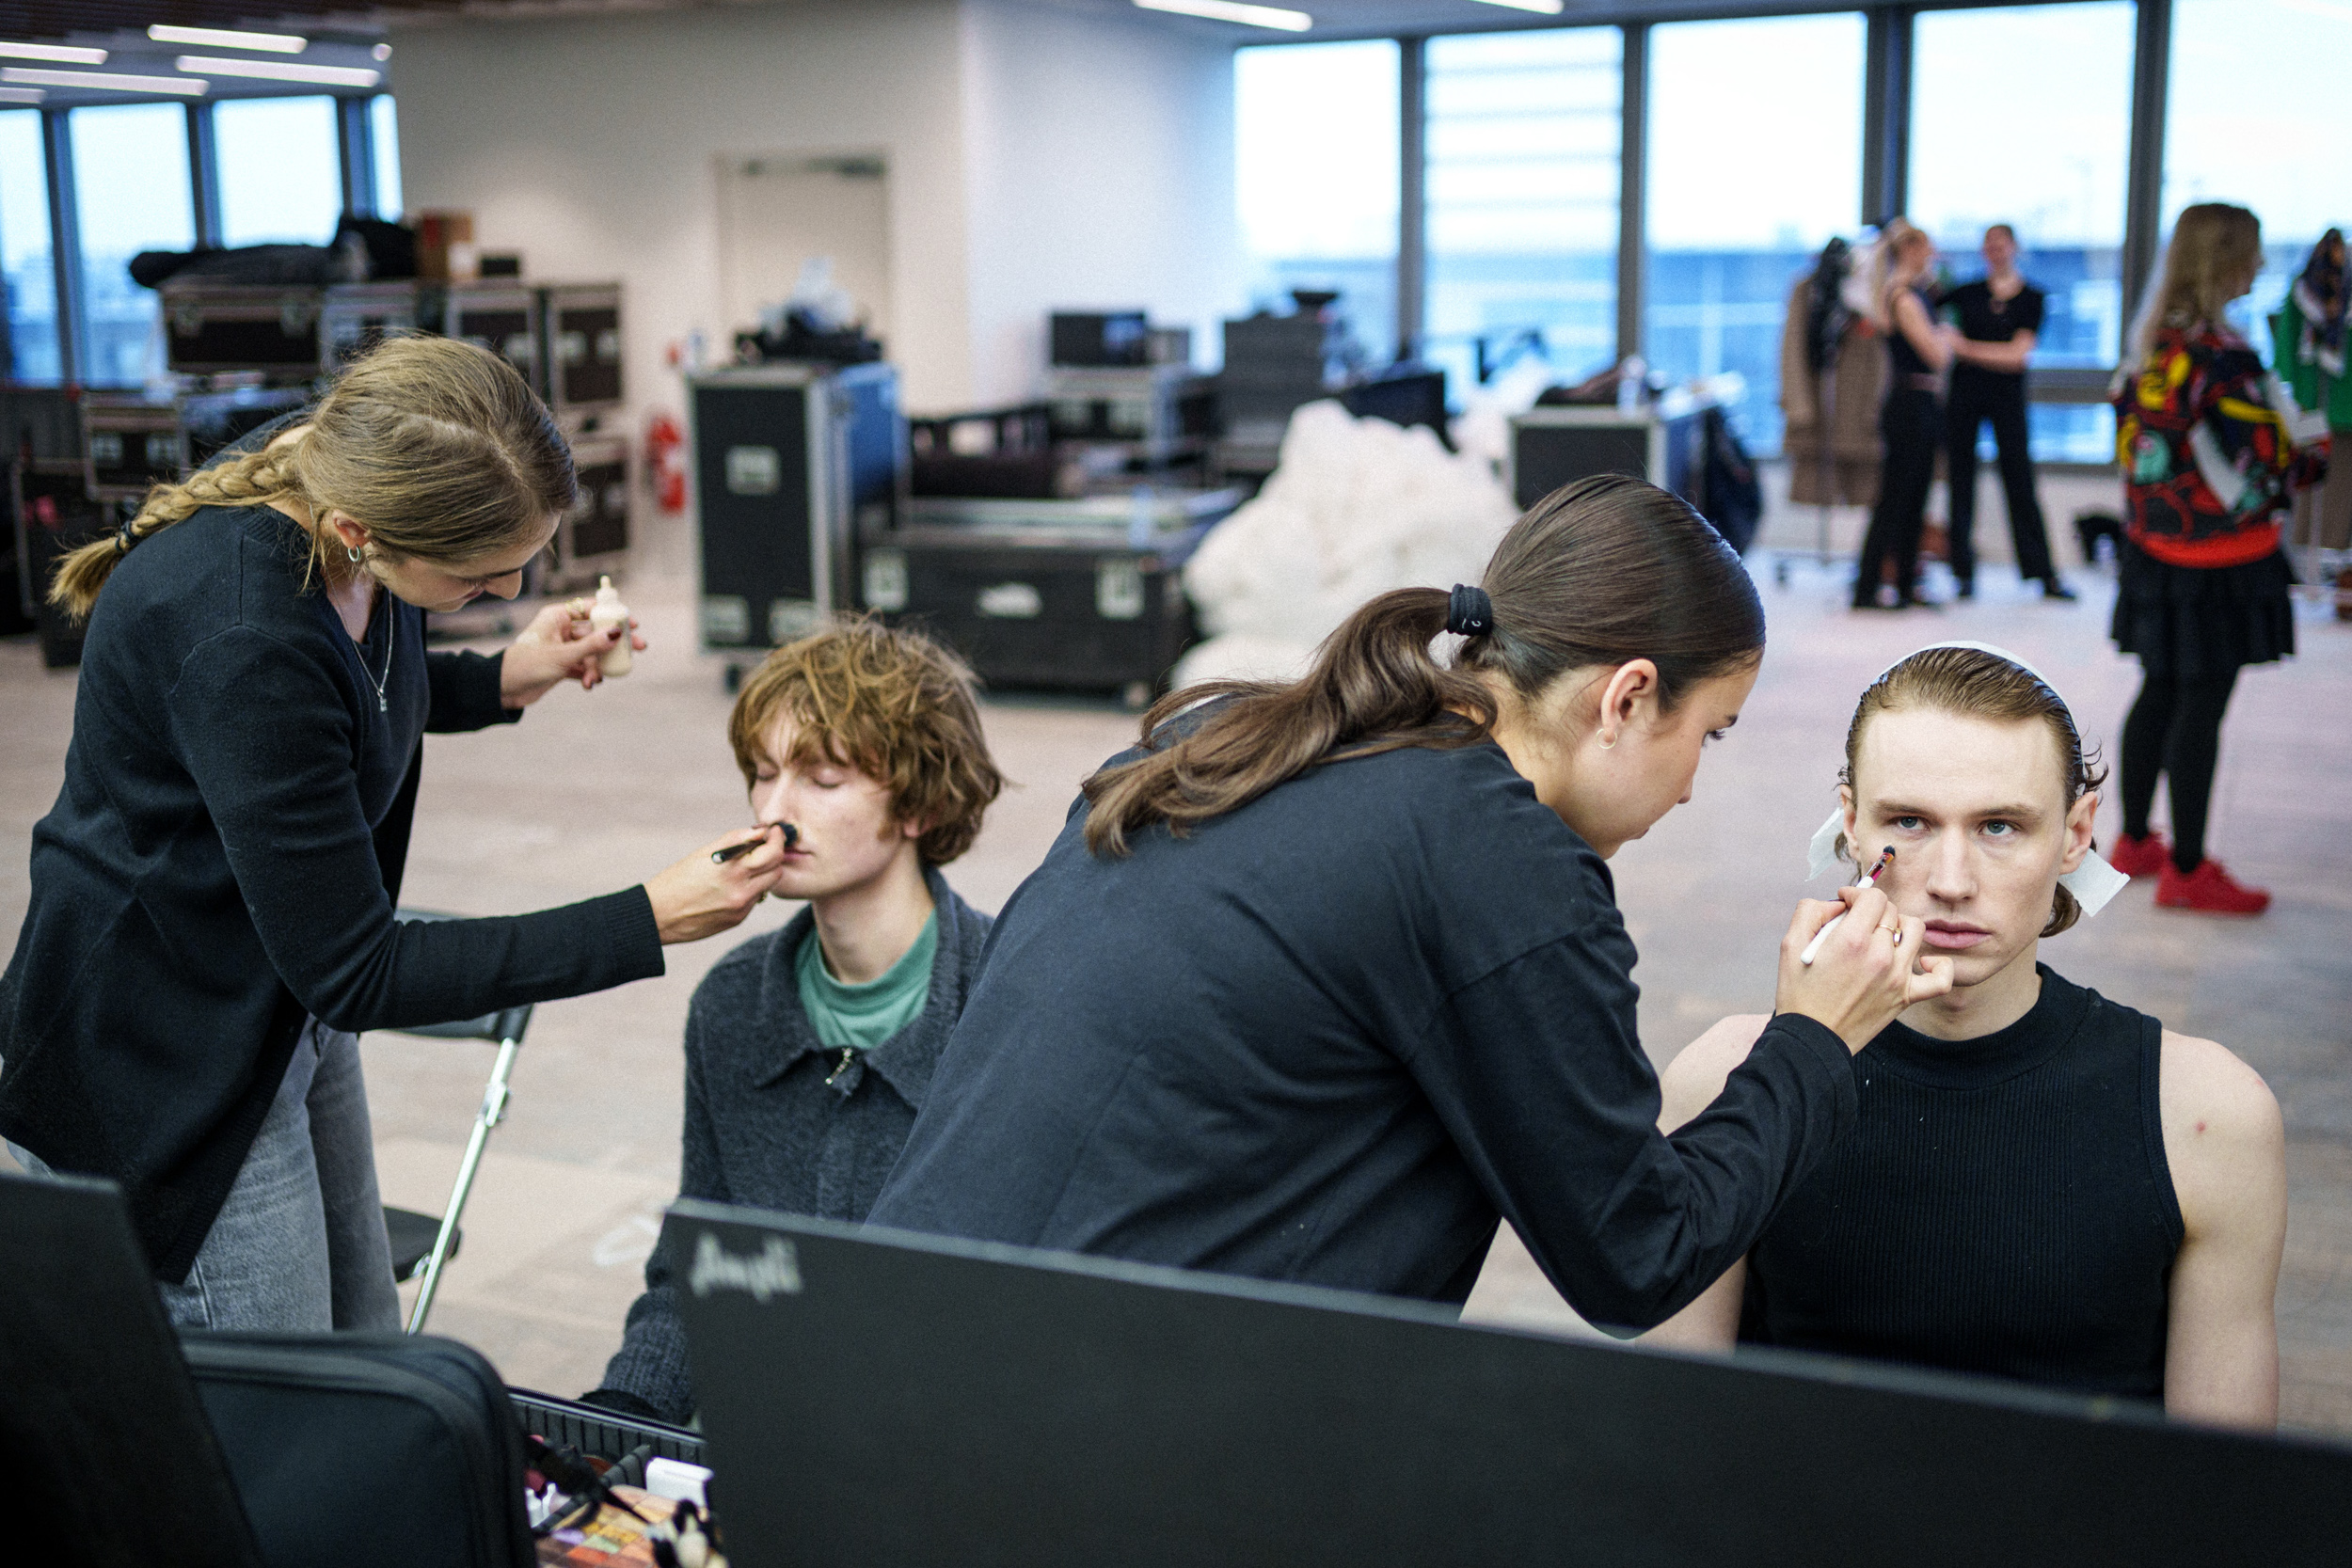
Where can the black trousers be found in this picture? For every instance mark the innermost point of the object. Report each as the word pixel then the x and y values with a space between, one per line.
pixel 1910 424
pixel 1977 396
pixel 2176 730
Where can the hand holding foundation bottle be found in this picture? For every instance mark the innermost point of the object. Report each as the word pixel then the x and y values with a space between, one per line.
pixel 566 642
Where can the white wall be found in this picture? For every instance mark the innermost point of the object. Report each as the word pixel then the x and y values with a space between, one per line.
pixel 1099 151
pixel 1039 154
pixel 587 144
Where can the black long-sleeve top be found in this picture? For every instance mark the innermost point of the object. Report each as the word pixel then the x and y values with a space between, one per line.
pixel 1329 1037
pixel 224 857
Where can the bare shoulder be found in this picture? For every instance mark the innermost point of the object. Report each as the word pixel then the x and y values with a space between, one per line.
pixel 2222 1129
pixel 2211 1091
pixel 1695 1077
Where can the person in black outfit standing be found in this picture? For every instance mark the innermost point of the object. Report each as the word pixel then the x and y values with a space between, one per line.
pixel 1917 350
pixel 2000 318
pixel 212 918
pixel 1326 977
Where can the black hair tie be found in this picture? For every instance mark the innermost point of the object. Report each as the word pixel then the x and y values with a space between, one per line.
pixel 124 538
pixel 1469 612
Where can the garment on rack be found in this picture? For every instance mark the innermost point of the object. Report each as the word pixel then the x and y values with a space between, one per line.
pixel 1832 439
pixel 2307 341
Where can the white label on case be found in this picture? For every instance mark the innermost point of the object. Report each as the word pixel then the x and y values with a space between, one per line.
pixel 789 620
pixel 885 582
pixel 1118 591
pixel 753 470
pixel 1011 601
pixel 727 618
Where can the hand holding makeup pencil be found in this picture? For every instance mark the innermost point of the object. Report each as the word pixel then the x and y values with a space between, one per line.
pixel 1854 965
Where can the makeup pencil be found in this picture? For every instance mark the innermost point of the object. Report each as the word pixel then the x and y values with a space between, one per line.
pixel 1813 948
pixel 791 837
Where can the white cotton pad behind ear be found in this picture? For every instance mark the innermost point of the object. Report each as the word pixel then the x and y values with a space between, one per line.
pixel 2093 882
pixel 1823 852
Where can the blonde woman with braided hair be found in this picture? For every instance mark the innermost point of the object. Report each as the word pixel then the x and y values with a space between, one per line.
pixel 211 917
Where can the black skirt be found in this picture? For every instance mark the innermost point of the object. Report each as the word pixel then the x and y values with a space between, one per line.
pixel 2195 623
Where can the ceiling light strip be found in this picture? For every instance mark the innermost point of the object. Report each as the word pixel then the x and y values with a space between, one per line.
pixel 22 95
pixel 272 70
pixel 65 54
pixel 222 38
pixel 102 81
pixel 1226 10
pixel 1545 8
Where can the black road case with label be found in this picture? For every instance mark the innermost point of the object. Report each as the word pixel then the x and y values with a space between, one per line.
pixel 132 441
pixel 212 327
pixel 593 536
pixel 580 326
pixel 1081 595
pixel 792 463
pixel 501 317
pixel 358 316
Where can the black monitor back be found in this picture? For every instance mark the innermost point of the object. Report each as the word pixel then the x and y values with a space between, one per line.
pixel 106 1452
pixel 874 1398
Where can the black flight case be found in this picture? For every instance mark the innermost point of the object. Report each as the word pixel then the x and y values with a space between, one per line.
pixel 793 463
pixel 1073 595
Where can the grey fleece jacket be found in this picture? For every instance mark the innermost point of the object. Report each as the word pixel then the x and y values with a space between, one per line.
pixel 775 1119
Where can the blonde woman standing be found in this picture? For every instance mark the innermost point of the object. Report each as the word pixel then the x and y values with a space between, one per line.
pixel 2209 471
pixel 1909 420
pixel 212 915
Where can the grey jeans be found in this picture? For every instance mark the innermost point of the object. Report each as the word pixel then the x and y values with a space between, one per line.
pixel 299 1246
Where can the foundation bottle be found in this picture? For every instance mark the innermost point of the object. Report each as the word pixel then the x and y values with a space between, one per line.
pixel 605 614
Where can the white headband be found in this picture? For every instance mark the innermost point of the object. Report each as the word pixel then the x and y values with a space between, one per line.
pixel 2093 883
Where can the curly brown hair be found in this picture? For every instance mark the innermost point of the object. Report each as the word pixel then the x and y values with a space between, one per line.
pixel 893 704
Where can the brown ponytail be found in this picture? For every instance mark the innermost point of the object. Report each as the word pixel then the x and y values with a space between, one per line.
pixel 1601 571
pixel 437 448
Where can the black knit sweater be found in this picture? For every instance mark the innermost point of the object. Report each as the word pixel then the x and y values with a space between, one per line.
pixel 224 857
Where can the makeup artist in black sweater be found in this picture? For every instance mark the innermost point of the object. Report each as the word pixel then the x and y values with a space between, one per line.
pixel 1329 975
pixel 211 911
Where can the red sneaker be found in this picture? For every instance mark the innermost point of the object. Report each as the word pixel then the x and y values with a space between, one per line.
pixel 2143 856
pixel 2208 889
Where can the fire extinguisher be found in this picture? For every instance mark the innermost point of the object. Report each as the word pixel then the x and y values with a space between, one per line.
pixel 665 462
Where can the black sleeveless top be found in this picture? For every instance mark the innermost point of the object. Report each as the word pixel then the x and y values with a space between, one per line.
pixel 2003 1206
pixel 1912 373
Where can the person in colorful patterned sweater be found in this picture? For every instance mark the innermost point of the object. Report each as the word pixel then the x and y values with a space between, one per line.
pixel 2210 464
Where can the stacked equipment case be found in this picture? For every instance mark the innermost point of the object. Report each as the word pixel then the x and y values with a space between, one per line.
pixel 793 462
pixel 1077 595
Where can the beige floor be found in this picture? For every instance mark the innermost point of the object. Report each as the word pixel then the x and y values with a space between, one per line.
pixel 594 792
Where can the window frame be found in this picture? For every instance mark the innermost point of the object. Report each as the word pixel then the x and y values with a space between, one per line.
pixel 355 159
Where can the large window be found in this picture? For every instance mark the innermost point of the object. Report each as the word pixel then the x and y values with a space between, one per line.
pixel 2022 115
pixel 384 146
pixel 1315 140
pixel 26 269
pixel 279 182
pixel 1736 219
pixel 2256 116
pixel 132 193
pixel 1522 170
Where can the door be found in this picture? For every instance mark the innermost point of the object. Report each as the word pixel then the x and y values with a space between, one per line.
pixel 777 211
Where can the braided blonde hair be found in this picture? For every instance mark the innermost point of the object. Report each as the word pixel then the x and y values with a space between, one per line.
pixel 438 449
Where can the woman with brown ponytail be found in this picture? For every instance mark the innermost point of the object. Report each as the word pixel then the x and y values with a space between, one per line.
pixel 212 916
pixel 1325 977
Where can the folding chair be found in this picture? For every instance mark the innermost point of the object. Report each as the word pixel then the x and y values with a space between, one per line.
pixel 420 1244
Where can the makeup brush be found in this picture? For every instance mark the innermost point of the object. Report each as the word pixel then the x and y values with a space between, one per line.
pixel 791 837
pixel 1813 948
